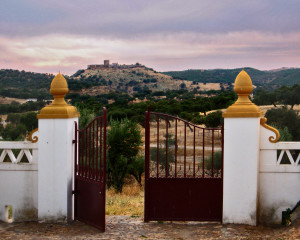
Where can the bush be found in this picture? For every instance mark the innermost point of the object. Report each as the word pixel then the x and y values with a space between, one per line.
pixel 214 119
pixel 283 117
pixel 162 151
pixel 217 162
pixel 86 116
pixel 123 140
pixel 14 133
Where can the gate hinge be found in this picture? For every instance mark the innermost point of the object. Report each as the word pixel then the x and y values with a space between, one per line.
pixel 74 141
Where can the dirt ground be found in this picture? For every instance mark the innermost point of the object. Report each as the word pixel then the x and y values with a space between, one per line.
pixel 7 100
pixel 126 227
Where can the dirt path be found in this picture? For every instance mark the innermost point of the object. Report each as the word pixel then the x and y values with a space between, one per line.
pixel 126 227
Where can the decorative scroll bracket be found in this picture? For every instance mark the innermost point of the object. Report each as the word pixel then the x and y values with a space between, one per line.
pixel 271 138
pixel 35 138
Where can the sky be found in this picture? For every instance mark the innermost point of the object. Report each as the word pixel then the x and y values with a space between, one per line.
pixel 167 35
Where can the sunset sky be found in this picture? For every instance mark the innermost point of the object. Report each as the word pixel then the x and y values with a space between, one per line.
pixel 67 35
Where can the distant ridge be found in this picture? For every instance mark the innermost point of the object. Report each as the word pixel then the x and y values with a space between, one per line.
pixel 270 78
pixel 21 84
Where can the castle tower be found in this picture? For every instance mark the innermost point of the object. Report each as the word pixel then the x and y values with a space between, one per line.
pixel 106 63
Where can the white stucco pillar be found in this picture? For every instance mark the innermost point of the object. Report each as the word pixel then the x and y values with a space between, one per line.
pixel 241 156
pixel 56 124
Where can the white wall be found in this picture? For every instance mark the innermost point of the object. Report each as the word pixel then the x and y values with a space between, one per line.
pixel 240 184
pixel 19 183
pixel 279 186
pixel 55 173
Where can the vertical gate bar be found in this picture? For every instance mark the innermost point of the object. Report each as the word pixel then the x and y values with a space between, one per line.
pixel 194 160
pixel 79 152
pixel 104 167
pixel 167 146
pixel 75 170
pixel 104 146
pixel 184 167
pixel 147 145
pixel 93 163
pixel 147 163
pixel 81 164
pixel 203 149
pixel 157 150
pixel 101 146
pixel 212 152
pixel 86 152
pixel 90 152
pixel 176 147
pixel 222 135
pixel 75 149
pixel 97 149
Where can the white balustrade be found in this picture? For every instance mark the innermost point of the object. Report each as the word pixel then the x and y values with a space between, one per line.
pixel 280 157
pixel 26 148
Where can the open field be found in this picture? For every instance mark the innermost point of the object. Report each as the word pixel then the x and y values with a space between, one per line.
pixel 7 100
pixel 129 202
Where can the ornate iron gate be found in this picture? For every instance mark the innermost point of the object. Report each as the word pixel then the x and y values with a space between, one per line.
pixel 183 170
pixel 90 168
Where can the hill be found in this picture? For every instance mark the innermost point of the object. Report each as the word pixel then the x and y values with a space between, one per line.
pixel 132 80
pixel 136 79
pixel 271 79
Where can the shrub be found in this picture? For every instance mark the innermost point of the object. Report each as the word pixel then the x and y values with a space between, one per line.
pixel 123 140
pixel 162 151
pixel 217 162
pixel 283 117
pixel 213 119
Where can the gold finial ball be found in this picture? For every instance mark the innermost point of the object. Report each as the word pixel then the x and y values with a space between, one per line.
pixel 243 83
pixel 59 85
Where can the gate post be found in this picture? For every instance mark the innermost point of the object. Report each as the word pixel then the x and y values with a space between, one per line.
pixel 55 167
pixel 241 156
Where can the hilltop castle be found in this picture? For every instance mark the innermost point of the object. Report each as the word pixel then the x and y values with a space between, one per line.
pixel 113 65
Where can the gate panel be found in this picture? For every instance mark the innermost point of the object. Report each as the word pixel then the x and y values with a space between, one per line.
pixel 183 170
pixel 186 199
pixel 90 172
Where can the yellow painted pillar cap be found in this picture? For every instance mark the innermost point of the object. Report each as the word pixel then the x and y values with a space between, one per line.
pixel 58 108
pixel 243 107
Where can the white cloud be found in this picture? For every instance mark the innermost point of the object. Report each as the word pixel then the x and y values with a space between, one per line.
pixel 163 51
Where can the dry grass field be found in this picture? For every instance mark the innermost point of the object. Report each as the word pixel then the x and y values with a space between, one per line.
pixel 7 100
pixel 121 77
pixel 129 202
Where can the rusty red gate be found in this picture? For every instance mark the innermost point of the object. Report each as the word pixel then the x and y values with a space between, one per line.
pixel 183 170
pixel 90 169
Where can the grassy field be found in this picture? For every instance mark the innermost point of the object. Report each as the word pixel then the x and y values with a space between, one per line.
pixel 129 202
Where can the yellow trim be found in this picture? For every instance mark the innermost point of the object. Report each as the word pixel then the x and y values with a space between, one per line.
pixel 58 108
pixel 35 138
pixel 243 107
pixel 271 138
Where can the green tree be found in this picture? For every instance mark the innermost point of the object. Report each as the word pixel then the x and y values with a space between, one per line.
pixel 283 117
pixel 29 120
pixel 213 119
pixel 123 140
pixel 162 152
pixel 217 163
pixel 13 133
pixel 289 95
pixel 137 168
pixel 86 116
